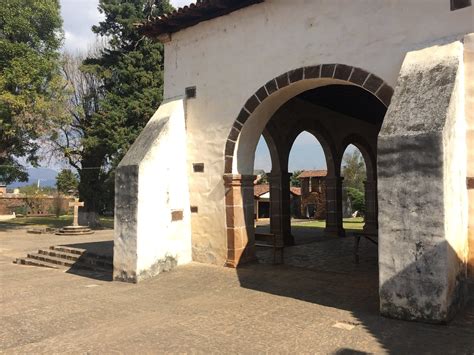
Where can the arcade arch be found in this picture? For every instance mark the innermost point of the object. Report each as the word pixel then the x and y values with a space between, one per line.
pixel 339 104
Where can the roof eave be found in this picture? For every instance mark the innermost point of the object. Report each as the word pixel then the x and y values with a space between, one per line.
pixel 162 27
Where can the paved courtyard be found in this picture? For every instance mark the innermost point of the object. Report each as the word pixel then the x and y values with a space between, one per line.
pixel 318 302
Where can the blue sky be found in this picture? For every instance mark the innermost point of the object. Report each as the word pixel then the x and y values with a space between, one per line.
pixel 306 153
pixel 80 15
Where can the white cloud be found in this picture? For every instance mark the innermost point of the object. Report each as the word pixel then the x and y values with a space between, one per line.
pixel 180 3
pixel 79 16
pixel 73 43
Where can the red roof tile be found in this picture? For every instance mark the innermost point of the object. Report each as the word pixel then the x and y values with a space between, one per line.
pixel 262 189
pixel 191 15
pixel 259 190
pixel 295 191
pixel 312 173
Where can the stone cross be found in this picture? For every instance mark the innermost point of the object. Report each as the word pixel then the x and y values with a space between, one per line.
pixel 76 204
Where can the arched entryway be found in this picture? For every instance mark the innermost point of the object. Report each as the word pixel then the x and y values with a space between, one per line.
pixel 304 99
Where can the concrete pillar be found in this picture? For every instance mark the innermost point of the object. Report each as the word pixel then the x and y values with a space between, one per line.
pixel 422 195
pixel 334 206
pixel 280 206
pixel 371 224
pixel 240 219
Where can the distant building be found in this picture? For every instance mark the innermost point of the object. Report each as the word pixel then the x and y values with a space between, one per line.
pixel 262 201
pixel 3 189
pixel 313 193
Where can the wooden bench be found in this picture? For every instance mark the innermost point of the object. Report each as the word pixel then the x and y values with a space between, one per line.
pixel 270 240
pixel 372 237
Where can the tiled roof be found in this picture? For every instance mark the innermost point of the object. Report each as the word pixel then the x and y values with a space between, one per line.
pixel 259 190
pixel 187 16
pixel 296 191
pixel 262 189
pixel 312 173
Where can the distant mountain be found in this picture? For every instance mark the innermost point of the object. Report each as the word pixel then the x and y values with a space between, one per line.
pixel 46 176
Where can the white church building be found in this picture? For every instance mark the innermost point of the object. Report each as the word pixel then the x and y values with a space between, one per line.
pixel 393 77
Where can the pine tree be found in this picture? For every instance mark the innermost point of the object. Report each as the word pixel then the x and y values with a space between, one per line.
pixel 66 181
pixel 130 69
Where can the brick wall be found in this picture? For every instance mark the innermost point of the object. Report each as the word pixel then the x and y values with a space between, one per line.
pixel 314 193
pixel 33 206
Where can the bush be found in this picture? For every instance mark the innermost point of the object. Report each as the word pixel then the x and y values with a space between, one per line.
pixel 357 199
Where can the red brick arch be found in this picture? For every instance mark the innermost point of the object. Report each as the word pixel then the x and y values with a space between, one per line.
pixel 353 75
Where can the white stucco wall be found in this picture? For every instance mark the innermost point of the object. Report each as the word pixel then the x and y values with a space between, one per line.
pixel 230 57
pixel 163 188
pixel 152 183
pixel 455 172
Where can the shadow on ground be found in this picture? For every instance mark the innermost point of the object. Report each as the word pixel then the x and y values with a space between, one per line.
pixel 98 250
pixel 323 273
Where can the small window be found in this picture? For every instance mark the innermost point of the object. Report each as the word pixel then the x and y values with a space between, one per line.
pixel 198 167
pixel 460 4
pixel 190 92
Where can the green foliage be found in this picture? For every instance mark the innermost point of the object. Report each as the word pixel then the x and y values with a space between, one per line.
pixel 30 36
pixel 116 91
pixel 263 178
pixel 357 199
pixel 130 70
pixel 294 181
pixel 33 190
pixel 66 180
pixel 354 170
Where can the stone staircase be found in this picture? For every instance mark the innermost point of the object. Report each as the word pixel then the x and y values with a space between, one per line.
pixel 64 257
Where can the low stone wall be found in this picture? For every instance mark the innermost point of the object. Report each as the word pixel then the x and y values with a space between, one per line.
pixel 33 205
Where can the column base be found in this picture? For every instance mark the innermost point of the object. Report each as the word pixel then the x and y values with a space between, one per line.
pixel 370 228
pixel 335 232
pixel 289 240
pixel 239 257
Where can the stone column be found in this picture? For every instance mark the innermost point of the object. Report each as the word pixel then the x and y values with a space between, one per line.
pixel 240 219
pixel 371 224
pixel 280 206
pixel 334 206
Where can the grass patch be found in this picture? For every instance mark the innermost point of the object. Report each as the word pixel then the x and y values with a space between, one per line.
pixel 53 222
pixel 348 223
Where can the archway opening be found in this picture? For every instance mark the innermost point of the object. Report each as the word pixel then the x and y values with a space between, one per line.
pixel 354 174
pixel 308 168
pixel 262 167
pixel 336 110
pixel 314 137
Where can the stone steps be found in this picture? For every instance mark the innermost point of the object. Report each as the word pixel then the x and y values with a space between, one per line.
pixel 64 257
pixel 34 262
pixel 75 230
